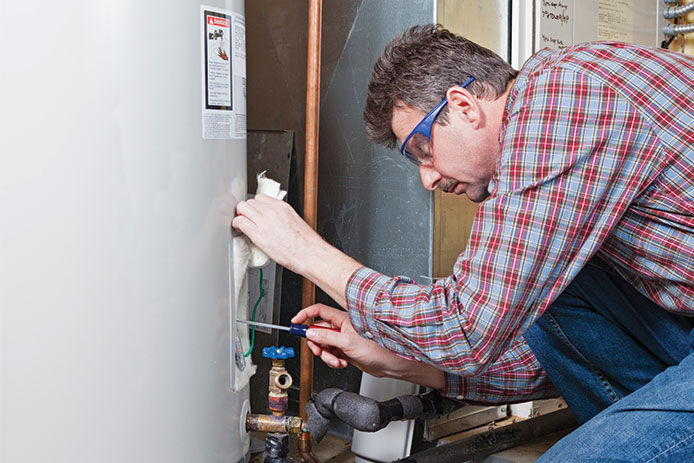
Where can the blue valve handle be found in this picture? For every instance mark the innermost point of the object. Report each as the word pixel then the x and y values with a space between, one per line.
pixel 283 353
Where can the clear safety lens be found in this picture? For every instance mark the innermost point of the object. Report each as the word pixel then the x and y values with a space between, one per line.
pixel 417 149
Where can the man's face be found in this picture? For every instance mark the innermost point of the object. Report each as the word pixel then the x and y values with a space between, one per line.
pixel 463 157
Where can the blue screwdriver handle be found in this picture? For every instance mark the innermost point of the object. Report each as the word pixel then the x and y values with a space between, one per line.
pixel 300 330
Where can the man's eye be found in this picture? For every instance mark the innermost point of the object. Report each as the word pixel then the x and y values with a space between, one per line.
pixel 422 151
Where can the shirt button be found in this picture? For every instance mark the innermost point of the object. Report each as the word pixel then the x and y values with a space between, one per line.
pixel 369 335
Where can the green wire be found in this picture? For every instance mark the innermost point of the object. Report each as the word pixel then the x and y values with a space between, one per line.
pixel 255 307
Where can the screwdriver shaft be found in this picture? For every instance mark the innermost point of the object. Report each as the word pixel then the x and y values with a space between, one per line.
pixel 264 325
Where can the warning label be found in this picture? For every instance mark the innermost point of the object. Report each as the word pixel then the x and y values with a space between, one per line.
pixel 223 74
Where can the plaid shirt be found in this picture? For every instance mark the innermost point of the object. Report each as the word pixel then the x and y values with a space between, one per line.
pixel 596 160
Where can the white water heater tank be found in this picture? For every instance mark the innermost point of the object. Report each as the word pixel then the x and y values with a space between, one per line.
pixel 122 156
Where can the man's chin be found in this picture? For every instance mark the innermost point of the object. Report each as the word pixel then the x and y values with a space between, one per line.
pixel 452 187
pixel 459 189
pixel 477 195
pixel 477 198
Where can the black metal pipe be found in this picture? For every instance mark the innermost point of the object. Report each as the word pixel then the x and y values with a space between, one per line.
pixel 276 448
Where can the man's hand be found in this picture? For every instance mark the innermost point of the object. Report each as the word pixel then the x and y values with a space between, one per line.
pixel 278 230
pixel 347 346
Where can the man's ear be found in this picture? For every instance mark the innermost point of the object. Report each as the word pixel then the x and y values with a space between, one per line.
pixel 465 105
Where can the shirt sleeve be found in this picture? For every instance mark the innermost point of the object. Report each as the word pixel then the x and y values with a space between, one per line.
pixel 569 169
pixel 515 376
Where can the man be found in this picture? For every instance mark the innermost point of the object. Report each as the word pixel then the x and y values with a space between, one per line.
pixel 580 264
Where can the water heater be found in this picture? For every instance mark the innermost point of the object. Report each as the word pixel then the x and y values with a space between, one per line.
pixel 122 156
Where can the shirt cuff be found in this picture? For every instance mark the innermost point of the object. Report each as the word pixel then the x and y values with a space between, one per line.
pixel 361 291
pixel 456 386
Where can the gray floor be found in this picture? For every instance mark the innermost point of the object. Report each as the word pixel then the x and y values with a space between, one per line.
pixel 527 453
pixel 332 449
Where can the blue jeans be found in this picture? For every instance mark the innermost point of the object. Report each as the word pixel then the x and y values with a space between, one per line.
pixel 624 365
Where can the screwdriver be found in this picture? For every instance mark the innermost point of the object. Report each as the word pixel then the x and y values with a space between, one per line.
pixel 294 328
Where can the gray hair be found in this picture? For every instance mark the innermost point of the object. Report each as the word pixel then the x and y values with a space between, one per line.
pixel 419 66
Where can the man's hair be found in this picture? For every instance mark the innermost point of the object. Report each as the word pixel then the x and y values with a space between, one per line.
pixel 419 66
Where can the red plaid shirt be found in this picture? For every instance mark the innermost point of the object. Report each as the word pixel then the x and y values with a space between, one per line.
pixel 596 159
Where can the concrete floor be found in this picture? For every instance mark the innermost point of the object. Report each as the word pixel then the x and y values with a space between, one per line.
pixel 333 449
pixel 526 453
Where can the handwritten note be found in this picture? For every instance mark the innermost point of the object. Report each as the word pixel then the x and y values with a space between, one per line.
pixel 556 23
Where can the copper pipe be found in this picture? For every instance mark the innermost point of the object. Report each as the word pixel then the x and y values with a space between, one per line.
pixel 305 449
pixel 274 423
pixel 310 179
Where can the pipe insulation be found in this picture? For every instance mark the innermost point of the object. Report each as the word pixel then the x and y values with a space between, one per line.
pixel 677 11
pixel 369 415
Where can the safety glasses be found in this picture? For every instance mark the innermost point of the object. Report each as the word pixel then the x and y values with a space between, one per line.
pixel 416 146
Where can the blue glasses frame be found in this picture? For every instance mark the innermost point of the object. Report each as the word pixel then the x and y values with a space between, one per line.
pixel 425 125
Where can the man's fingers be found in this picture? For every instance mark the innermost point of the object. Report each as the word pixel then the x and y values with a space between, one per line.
pixel 328 338
pixel 329 314
pixel 315 348
pixel 311 311
pixel 269 206
pixel 332 315
pixel 328 357
pixel 245 208
pixel 277 205
pixel 332 360
pixel 265 199
pixel 243 224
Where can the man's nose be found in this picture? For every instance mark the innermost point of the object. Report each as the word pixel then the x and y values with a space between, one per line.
pixel 430 177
